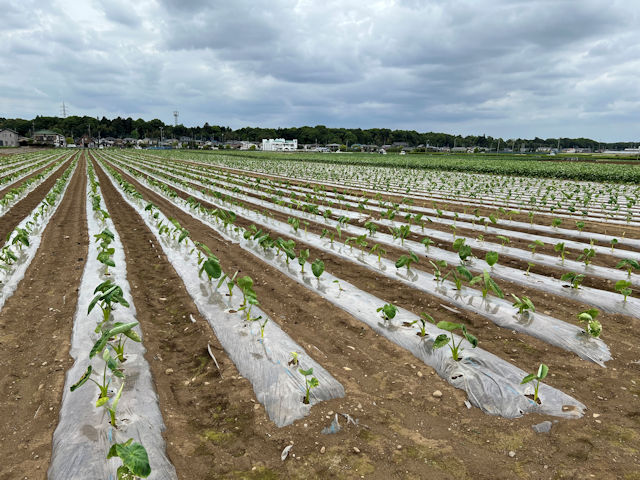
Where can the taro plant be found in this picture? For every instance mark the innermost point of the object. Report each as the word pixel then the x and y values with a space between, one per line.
pixel 407 260
pixel 438 265
pixel 249 296
pixel 580 225
pixel 388 311
pixel 294 222
pixel 426 241
pixel 422 323
pixel 491 258
pixel 459 273
pixel 135 461
pixel 310 382
pixel 586 255
pixel 105 252
pixel 443 339
pixel 503 240
pixel 464 250
pixel 536 377
pixel 302 259
pixel 560 248
pixel 592 326
pixel 535 244
pixel 108 296
pixel 556 222
pixel 487 284
pixel 317 268
pixel 523 304
pixel 211 265
pixel 529 266
pixel 623 287
pixel 378 250
pixel 575 279
pixel 614 242
pixel 629 264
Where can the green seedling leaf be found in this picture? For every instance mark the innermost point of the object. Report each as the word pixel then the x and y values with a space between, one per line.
pixel 83 379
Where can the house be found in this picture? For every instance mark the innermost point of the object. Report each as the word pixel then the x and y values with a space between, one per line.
pixel 279 145
pixel 8 138
pixel 86 142
pixel 48 137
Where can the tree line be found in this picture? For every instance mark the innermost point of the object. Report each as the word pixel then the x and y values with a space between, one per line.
pixel 76 126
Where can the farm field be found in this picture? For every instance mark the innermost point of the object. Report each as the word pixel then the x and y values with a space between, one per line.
pixel 223 310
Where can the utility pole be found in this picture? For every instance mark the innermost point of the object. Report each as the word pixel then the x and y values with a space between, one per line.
pixel 498 149
pixel 161 129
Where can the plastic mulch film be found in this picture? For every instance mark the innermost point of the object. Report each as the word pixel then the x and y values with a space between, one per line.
pixel 263 361
pixel 539 259
pixel 84 435
pixel 10 203
pixel 492 384
pixel 611 302
pixel 463 220
pixel 432 194
pixel 11 276
pixel 501 312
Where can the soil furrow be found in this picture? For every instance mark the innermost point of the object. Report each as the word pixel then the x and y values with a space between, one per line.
pixel 16 214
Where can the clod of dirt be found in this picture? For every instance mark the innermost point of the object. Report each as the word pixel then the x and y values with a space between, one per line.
pixel 437 394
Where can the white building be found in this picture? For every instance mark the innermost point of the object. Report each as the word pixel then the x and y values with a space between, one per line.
pixel 8 138
pixel 279 145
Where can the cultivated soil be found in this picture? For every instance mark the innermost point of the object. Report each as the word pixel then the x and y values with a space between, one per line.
pixel 411 423
pixel 35 331
pixel 404 430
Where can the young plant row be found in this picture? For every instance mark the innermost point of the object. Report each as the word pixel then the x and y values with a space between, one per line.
pixel 542 326
pixel 13 255
pixel 107 356
pixel 402 232
pixel 206 268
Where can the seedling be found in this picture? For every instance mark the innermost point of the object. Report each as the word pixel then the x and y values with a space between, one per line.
pixel 108 296
pixel 302 259
pixel 459 273
pixel 592 326
pixel 377 249
pixel 444 339
pixel 426 241
pixel 491 258
pixel 560 248
pixel 210 266
pixel 556 222
pixel 407 260
pixel 487 283
pixel 580 225
pixel 294 222
pixel 529 265
pixel 629 264
pixel 504 240
pixel 614 242
pixel 135 461
pixel 623 287
pixel 422 323
pixel 249 296
pixel 294 359
pixel 317 268
pixel 340 289
pixel 310 382
pixel 534 245
pixel 523 304
pixel 575 279
pixel 586 255
pixel 536 377
pixel 464 251
pixel 437 272
pixel 388 311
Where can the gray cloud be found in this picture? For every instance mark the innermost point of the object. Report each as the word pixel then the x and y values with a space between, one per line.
pixel 505 68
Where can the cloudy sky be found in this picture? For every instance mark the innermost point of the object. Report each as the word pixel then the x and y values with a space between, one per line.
pixel 505 68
